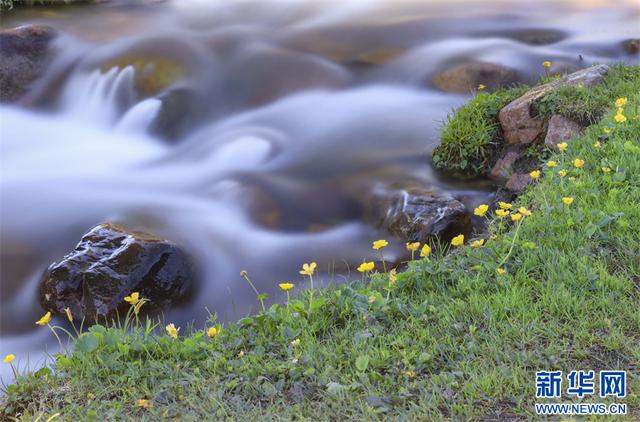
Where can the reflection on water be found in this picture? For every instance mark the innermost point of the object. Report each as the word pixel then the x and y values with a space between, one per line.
pixel 250 132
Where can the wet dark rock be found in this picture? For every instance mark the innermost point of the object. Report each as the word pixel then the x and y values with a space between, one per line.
pixel 25 53
pixel 503 168
pixel 467 76
pixel 632 46
pixel 561 129
pixel 417 214
pixel 108 264
pixel 520 125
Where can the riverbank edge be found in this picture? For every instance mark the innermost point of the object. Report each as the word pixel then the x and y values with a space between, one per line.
pixel 457 335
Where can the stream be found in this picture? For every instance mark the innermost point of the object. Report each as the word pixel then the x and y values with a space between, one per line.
pixel 250 132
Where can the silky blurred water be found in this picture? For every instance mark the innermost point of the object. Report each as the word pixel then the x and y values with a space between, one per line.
pixel 249 132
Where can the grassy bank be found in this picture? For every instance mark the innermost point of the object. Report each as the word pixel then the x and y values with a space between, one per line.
pixel 457 336
pixel 471 140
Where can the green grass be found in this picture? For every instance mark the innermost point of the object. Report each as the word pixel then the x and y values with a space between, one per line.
pixel 451 339
pixel 471 136
pixel 587 106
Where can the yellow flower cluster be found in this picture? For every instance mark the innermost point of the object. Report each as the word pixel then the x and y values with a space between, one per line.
pixel 620 117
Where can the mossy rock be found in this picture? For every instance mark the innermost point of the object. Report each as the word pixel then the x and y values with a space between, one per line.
pixel 152 74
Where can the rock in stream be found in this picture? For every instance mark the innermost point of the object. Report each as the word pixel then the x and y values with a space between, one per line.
pixel 108 264
pixel 25 55
pixel 417 214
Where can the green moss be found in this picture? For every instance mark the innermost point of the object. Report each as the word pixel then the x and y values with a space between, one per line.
pixel 450 340
pixel 471 135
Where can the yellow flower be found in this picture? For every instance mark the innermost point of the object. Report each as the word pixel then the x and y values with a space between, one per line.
pixel 619 117
pixel 567 200
pixel 212 332
pixel 295 343
pixel 426 250
pixel 133 298
pixel 551 163
pixel 380 244
pixel 9 358
pixel 481 87
pixel 501 270
pixel 410 374
pixel 458 240
pixel 597 144
pixel 505 205
pixel 365 267
pixel 562 146
pixel 481 210
pixel 477 243
pixel 371 299
pixel 515 217
pixel 525 212
pixel 172 331
pixel 606 170
pixel 69 315
pixel 502 213
pixel 562 173
pixel 578 163
pixel 45 319
pixel 286 286
pixel 621 102
pixel 143 403
pixel 535 174
pixel 546 64
pixel 308 269
pixel 606 130
pixel 412 247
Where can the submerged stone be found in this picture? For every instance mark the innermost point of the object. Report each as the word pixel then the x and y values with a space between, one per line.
pixel 25 55
pixel 108 264
pixel 467 77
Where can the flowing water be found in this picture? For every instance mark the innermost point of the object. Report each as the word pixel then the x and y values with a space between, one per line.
pixel 249 132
